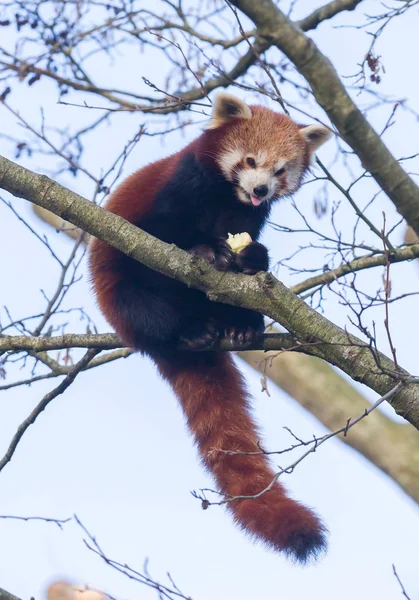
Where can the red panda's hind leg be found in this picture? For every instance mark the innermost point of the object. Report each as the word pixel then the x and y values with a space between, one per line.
pixel 240 325
pixel 150 321
pixel 144 319
pixel 199 335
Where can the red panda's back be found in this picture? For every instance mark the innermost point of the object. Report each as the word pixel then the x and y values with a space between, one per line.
pixel 134 197
pixel 133 200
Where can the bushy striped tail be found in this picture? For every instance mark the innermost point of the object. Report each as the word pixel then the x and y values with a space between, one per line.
pixel 213 395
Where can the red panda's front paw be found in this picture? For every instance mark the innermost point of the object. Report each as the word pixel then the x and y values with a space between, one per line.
pixel 223 255
pixel 253 258
pixel 220 255
pixel 203 251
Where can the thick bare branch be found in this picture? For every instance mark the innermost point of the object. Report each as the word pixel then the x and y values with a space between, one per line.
pixel 262 292
pixel 326 12
pixel 109 341
pixel 357 264
pixel 7 595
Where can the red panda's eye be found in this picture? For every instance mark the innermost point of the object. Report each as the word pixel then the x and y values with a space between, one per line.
pixel 280 172
pixel 251 162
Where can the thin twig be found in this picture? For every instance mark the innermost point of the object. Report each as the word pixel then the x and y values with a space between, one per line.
pixel 405 594
pixel 91 353
pixel 58 522
pixel 315 443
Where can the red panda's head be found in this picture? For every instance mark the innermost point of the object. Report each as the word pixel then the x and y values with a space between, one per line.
pixel 263 153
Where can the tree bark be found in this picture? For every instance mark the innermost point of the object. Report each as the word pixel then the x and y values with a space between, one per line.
pixel 315 334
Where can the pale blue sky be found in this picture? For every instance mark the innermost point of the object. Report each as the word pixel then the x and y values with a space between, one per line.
pixel 114 448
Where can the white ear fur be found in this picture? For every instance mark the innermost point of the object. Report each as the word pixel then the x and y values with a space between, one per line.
pixel 227 108
pixel 315 136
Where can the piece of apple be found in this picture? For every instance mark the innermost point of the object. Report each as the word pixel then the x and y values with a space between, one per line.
pixel 239 241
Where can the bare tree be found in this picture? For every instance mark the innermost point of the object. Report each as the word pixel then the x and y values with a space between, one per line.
pixel 344 250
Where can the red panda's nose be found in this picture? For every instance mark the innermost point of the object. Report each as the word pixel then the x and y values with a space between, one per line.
pixel 260 190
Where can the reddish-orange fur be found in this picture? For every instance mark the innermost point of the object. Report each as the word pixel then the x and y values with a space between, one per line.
pixel 104 259
pixel 208 385
pixel 215 402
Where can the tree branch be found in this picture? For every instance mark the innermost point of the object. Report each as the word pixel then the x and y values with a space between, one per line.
pixel 360 263
pixel 109 341
pixel 57 370
pixel 7 595
pixel 182 100
pixel 44 403
pixel 326 12
pixel 262 292
pixel 357 264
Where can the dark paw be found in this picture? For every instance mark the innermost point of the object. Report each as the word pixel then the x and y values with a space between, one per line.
pixel 199 336
pixel 245 334
pixel 252 259
pixel 224 256
pixel 203 251
pixel 240 336
pixel 220 255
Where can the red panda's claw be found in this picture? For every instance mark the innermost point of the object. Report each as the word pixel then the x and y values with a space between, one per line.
pixel 203 251
pixel 219 254
pixel 224 256
pixel 241 335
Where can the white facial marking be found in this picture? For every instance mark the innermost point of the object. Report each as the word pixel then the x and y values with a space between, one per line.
pixel 248 178
pixel 279 164
pixel 228 160
pixel 293 179
pixel 251 178
pixel 293 176
pixel 260 157
pixel 243 197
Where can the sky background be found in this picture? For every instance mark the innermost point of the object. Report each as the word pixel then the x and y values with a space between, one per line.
pixel 114 448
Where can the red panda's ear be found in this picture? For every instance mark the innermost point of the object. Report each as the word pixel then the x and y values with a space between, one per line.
pixel 315 136
pixel 227 108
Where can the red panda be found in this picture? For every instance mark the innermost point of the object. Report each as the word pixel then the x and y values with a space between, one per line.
pixel 225 181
